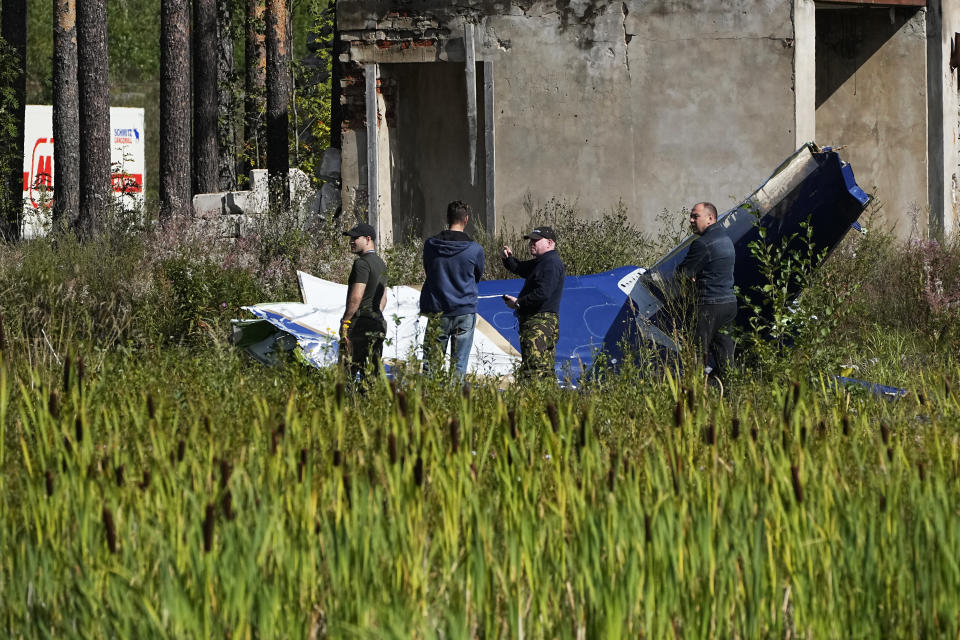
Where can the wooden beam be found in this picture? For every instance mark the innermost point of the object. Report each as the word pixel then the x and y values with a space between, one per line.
pixel 489 142
pixel 373 152
pixel 470 69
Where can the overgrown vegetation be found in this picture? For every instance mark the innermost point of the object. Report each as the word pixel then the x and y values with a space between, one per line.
pixel 156 483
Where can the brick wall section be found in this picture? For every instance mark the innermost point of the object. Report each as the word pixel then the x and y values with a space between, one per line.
pixel 400 36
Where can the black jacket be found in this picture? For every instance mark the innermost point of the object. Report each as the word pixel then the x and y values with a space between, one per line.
pixel 544 283
pixel 710 260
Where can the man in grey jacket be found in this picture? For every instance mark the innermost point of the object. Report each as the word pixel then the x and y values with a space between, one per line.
pixel 453 264
pixel 709 263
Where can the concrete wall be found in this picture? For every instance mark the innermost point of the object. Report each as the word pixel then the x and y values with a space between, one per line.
pixel 871 77
pixel 655 103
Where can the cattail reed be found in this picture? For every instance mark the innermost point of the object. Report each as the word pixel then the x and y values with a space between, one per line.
pixel 921 471
pixel 754 433
pixel 301 465
pixel 67 445
pixel 797 487
pixel 846 425
pixel 803 435
pixel 423 416
pixel 227 502
pixel 207 425
pixel 735 428
pixel 392 447
pixel 208 519
pixel 418 471
pixel 118 475
pixel 921 398
pixel 338 394
pixel 710 435
pixel 3 335
pixel 337 457
pixel 454 434
pixel 647 537
pixel 48 476
pixel 678 414
pixel 145 481
pixel 181 450
pixel 890 454
pixel 512 421
pixel 275 437
pixel 346 489
pixel 110 530
pixel 402 402
pixel 553 415
pixel 691 396
pixel 784 438
pixel 81 371
pixel 225 471
pixel 821 428
pixel 53 404
pixel 151 409
pixel 465 392
pixel 78 429
pixel 885 433
pixel 883 503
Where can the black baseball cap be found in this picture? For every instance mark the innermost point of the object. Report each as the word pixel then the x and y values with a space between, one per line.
pixel 541 232
pixel 362 229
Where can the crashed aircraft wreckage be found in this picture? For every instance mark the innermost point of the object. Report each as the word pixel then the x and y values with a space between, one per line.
pixel 599 313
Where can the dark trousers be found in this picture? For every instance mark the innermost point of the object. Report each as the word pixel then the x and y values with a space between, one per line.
pixel 712 338
pixel 366 345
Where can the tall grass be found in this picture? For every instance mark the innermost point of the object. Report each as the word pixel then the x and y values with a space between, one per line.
pixel 641 509
pixel 157 484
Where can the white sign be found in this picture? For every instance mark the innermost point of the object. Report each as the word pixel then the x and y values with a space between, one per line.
pixel 127 155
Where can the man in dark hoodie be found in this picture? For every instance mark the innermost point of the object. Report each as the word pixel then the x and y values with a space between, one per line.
pixel 454 265
pixel 538 305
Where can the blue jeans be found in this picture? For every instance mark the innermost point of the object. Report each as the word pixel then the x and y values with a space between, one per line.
pixel 455 330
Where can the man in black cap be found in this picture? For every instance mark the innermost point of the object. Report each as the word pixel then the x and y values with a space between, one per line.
pixel 363 328
pixel 538 305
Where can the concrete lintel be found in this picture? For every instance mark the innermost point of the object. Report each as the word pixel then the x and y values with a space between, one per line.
pixel 878 3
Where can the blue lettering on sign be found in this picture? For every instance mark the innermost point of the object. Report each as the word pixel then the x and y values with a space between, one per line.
pixel 127 133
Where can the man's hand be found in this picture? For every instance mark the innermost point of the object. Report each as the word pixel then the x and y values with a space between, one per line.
pixel 510 301
pixel 507 252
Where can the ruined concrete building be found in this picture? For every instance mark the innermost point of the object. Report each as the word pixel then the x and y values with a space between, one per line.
pixel 653 103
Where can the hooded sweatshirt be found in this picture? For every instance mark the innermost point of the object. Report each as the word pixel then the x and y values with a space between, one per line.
pixel 454 265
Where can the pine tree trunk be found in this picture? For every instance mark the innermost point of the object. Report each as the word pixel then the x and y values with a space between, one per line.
pixel 94 84
pixel 175 109
pixel 14 31
pixel 205 156
pixel 254 107
pixel 226 137
pixel 66 116
pixel 278 104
